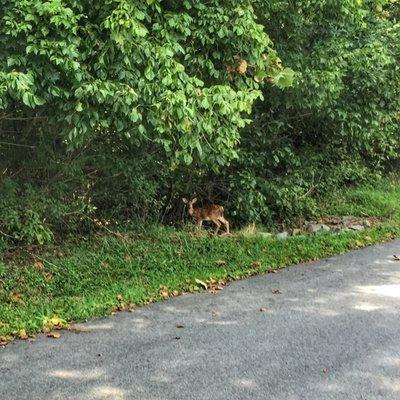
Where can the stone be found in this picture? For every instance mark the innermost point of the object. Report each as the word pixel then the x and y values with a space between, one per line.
pixel 367 223
pixel 282 235
pixel 357 227
pixel 296 232
pixel 317 228
pixel 348 219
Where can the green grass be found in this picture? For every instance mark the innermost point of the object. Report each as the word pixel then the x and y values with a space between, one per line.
pixel 91 278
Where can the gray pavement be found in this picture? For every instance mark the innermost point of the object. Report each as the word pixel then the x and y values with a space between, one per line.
pixel 332 333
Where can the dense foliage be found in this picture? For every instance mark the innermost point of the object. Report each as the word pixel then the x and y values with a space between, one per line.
pixel 339 124
pixel 115 109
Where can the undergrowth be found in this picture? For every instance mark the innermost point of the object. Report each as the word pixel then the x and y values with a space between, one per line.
pixel 92 277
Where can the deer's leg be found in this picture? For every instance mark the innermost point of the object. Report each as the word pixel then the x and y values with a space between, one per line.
pixel 217 224
pixel 226 223
pixel 199 223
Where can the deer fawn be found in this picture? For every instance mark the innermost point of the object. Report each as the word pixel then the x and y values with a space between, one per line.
pixel 212 212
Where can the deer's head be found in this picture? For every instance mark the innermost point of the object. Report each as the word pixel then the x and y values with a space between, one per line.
pixel 190 204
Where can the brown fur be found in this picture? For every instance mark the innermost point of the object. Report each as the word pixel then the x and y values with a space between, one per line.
pixel 211 212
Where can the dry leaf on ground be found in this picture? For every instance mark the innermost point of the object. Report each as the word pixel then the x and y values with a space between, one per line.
pixel 4 340
pixel 16 298
pixel 198 281
pixel 276 291
pixel 164 292
pixel 22 334
pixel 54 335
pixel 48 276
pixel 263 309
pixel 38 264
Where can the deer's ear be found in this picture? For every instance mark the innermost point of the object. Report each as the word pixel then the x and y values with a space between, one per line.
pixel 194 200
pixel 185 200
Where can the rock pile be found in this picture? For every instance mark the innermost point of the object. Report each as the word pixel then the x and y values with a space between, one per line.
pixel 330 224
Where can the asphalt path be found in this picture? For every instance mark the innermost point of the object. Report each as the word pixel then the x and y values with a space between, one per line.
pixel 326 330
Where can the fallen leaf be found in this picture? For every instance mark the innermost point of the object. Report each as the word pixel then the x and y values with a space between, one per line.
pixel 179 326
pixel 273 271
pixel 56 321
pixel 367 238
pixel 38 264
pixel 22 334
pixel 4 340
pixel 48 276
pixel 276 291
pixel 213 286
pixel 220 262
pixel 177 337
pixel 263 309
pixel 16 298
pixel 54 335
pixel 256 264
pixel 164 292
pixel 397 258
pixel 2 324
pixel 175 293
pixel 198 281
pixel 325 370
pixel 46 329
pixel 358 243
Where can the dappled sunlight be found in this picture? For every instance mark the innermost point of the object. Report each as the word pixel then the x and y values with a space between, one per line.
pixel 387 260
pixel 365 306
pixel 245 383
pixel 381 290
pixel 108 393
pixel 77 374
pixel 390 383
pixel 320 301
pixel 174 310
pixel 287 338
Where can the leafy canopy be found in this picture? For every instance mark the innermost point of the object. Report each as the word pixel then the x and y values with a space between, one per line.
pixel 180 75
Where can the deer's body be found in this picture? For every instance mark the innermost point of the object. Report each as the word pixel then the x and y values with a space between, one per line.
pixel 211 212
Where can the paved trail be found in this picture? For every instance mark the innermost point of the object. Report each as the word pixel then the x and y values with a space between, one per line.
pixel 333 333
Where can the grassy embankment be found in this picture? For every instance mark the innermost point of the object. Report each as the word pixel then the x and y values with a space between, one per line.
pixel 92 278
